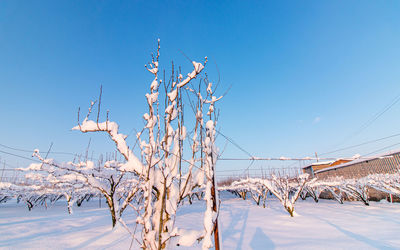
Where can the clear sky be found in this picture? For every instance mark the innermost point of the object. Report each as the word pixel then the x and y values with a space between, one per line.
pixel 305 75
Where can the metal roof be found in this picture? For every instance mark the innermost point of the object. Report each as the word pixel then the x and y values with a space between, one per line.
pixel 360 160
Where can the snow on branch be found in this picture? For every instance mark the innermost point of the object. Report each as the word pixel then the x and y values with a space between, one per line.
pixel 198 67
pixel 133 164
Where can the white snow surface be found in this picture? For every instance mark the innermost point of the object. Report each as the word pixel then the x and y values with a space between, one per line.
pixel 243 225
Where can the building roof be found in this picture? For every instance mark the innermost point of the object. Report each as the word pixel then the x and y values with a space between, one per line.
pixel 326 162
pixel 319 163
pixel 360 160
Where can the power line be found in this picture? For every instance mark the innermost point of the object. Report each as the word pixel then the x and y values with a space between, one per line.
pixel 19 156
pixel 361 144
pixel 252 158
pixel 379 114
pixel 51 152
pixel 373 118
pixel 31 151
pixel 358 145
pixel 383 149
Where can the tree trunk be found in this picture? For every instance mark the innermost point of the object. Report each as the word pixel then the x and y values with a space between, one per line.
pixel 290 210
pixel 110 203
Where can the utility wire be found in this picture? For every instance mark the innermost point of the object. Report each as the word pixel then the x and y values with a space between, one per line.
pixel 34 160
pixel 247 169
pixel 382 149
pixel 354 146
pixel 275 159
pixel 361 144
pixel 31 151
pixel 379 114
pixel 373 118
pixel 234 143
pixel 19 156
pixel 256 169
pixel 51 152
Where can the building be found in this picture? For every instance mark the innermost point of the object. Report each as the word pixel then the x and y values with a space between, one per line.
pixel 388 162
pixel 317 166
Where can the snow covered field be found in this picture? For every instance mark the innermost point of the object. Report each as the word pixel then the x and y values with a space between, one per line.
pixel 323 225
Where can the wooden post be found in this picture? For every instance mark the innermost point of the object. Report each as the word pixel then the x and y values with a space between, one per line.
pixel 215 209
pixel 215 205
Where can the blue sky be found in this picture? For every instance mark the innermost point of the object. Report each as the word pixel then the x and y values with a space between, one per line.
pixel 305 75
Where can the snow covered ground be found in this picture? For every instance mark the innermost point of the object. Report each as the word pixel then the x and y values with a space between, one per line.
pixel 323 225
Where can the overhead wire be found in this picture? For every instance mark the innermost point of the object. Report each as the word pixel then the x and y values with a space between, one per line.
pixel 372 119
pixel 234 143
pixel 361 144
pixel 19 156
pixel 31 151
pixel 376 151
pixel 51 152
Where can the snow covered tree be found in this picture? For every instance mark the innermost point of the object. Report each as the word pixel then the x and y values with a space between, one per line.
pixel 286 189
pixel 356 188
pixel 340 187
pixel 31 194
pixel 388 183
pixel 164 177
pixel 71 178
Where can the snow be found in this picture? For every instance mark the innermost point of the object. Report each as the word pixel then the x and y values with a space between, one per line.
pixel 133 164
pixel 322 163
pixel 244 225
pixel 325 225
pixel 172 95
pixel 198 67
pixel 154 84
pixel 152 98
pixel 89 227
pixel 189 237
